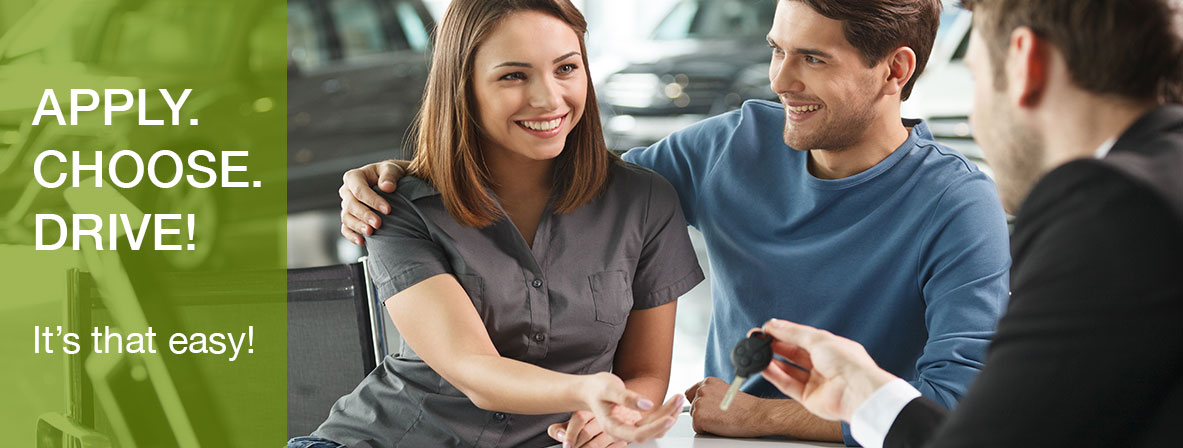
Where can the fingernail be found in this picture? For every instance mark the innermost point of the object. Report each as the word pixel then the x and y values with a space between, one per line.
pixel 566 444
pixel 644 404
pixel 385 209
pixel 681 401
pixel 670 424
pixel 374 222
pixel 562 435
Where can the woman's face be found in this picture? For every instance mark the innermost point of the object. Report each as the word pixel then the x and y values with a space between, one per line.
pixel 530 86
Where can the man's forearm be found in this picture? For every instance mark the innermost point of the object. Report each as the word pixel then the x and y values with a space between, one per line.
pixel 788 418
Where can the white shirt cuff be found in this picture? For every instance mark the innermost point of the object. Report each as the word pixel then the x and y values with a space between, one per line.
pixel 873 418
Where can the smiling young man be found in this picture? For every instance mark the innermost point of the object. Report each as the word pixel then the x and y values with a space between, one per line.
pixel 828 209
pixel 1088 149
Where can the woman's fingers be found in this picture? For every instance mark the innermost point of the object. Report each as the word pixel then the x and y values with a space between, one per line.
pixel 557 431
pixel 629 399
pixel 591 430
pixel 574 428
pixel 671 408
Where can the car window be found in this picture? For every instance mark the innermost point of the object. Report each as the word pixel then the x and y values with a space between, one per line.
pixel 307 43
pixel 721 19
pixel 962 47
pixel 413 27
pixel 950 16
pixel 359 26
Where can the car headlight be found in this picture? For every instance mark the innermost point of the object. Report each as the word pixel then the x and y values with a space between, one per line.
pixel 639 90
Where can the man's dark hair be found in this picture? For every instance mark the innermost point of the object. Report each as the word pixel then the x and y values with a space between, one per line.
pixel 876 27
pixel 1130 48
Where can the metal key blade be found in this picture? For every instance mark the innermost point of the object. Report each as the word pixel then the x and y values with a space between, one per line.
pixel 726 403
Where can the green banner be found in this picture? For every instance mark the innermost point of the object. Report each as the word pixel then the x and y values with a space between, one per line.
pixel 142 223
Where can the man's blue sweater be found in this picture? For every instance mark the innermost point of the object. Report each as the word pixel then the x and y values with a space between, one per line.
pixel 909 257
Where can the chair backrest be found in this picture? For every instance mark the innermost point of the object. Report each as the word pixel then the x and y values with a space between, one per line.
pixel 331 340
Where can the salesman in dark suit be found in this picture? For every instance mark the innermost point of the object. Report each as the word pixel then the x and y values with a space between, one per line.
pixel 1069 108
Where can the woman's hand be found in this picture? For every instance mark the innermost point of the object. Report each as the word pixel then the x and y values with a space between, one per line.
pixel 592 435
pixel 621 414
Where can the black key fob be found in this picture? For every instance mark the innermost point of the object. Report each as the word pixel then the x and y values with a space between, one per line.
pixel 752 355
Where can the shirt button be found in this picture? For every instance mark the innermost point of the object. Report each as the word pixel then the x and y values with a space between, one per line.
pixel 499 416
pixel 536 283
pixel 539 337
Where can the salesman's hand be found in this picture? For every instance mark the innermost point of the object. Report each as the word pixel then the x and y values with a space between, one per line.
pixel 603 393
pixel 358 199
pixel 840 377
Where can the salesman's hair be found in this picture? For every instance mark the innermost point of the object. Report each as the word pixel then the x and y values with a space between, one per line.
pixel 1128 48
pixel 446 134
pixel 877 27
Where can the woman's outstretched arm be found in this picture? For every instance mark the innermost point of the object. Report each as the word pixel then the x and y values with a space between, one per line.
pixel 436 318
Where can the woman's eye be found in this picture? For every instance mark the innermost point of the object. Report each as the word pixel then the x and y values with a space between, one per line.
pixel 515 76
pixel 567 68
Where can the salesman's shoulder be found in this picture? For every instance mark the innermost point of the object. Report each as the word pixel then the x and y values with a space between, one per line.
pixel 1150 153
pixel 1145 164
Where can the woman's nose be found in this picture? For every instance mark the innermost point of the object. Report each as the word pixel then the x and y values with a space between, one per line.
pixel 544 94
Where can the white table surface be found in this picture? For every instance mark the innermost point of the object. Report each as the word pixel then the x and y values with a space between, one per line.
pixel 682 436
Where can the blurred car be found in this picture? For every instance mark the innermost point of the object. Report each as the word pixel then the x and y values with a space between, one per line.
pixel 711 55
pixel 356 73
pixel 943 95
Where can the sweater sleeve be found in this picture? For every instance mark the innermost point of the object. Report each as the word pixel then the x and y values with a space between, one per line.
pixel 964 278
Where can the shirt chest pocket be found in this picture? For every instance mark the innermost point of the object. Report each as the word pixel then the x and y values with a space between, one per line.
pixel 612 295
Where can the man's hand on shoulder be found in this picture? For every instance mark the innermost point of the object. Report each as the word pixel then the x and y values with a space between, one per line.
pixel 359 201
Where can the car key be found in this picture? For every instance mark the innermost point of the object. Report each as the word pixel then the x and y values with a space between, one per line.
pixel 750 356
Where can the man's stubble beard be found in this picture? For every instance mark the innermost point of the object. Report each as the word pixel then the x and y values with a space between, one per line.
pixel 1017 157
pixel 836 134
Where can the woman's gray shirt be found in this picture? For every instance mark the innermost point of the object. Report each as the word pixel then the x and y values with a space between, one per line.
pixel 561 305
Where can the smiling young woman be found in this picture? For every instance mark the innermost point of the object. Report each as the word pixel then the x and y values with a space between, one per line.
pixel 532 275
pixel 452 157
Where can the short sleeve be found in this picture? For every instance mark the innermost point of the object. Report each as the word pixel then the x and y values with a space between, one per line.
pixel 402 252
pixel 668 266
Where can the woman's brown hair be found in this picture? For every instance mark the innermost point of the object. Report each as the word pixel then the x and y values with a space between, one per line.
pixel 446 133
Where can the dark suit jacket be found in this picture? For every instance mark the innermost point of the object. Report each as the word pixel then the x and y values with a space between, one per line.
pixel 1090 351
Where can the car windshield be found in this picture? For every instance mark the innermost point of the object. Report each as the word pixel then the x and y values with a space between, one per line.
pixel 716 19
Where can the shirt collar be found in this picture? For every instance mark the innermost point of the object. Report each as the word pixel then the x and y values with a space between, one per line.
pixel 1105 147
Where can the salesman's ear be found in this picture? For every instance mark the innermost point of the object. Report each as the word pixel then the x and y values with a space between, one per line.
pixel 1029 58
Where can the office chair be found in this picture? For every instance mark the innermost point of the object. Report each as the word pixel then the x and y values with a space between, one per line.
pixel 334 339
